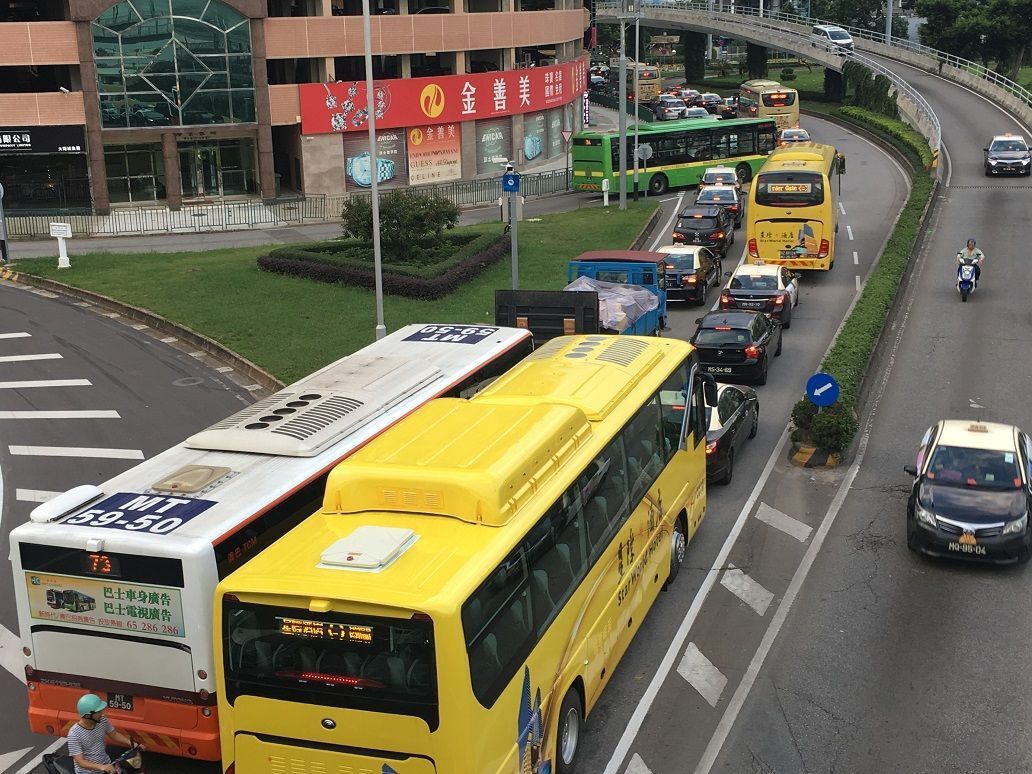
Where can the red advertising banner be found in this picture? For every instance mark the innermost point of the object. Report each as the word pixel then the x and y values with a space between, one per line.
pixel 341 106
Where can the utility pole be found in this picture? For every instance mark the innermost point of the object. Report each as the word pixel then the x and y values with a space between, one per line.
pixel 381 329
pixel 4 257
pixel 888 22
pixel 622 111
pixel 637 97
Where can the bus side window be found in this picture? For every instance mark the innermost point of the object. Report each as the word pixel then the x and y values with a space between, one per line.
pixel 674 399
pixel 766 140
pixel 721 144
pixel 697 412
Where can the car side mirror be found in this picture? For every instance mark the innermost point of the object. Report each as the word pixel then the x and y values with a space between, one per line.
pixel 727 274
pixel 709 387
pixel 911 469
pixel 986 148
pixel 698 321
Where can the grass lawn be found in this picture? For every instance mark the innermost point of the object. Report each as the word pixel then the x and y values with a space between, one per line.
pixel 292 326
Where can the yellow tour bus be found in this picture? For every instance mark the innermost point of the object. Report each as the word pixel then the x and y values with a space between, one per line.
pixel 474 575
pixel 792 217
pixel 769 99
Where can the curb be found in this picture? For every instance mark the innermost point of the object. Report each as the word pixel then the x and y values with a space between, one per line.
pixel 806 456
pixel 181 332
pixel 864 132
pixel 646 230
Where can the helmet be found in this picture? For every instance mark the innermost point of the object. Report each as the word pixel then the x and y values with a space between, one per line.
pixel 971 240
pixel 89 703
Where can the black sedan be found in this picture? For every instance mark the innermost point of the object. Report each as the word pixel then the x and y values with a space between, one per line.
pixel 736 419
pixel 710 226
pixel 737 345
pixel 971 496
pixel 710 101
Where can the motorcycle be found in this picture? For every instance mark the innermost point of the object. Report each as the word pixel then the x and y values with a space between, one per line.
pixel 966 276
pixel 129 762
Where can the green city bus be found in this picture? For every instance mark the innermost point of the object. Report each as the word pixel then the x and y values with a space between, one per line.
pixel 681 152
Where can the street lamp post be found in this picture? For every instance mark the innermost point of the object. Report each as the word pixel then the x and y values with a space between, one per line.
pixel 888 22
pixel 381 329
pixel 637 104
pixel 4 257
pixel 622 115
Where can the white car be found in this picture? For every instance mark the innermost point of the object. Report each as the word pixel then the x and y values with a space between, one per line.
pixel 789 136
pixel 768 288
pixel 832 38
pixel 725 196
pixel 720 176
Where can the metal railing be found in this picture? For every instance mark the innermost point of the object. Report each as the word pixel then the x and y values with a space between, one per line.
pixel 246 214
pixel 751 18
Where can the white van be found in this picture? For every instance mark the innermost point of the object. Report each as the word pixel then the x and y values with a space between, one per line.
pixel 831 37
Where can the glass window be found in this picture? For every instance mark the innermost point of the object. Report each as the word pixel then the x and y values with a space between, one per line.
pixel 673 398
pixel 135 172
pixel 789 189
pixel 975 468
pixel 643 440
pixel 728 403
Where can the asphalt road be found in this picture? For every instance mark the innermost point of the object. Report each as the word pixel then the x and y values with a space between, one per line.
pixel 888 661
pixel 679 722
pixel 140 396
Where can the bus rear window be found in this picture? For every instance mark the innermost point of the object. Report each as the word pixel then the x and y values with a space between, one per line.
pixel 789 189
pixel 361 662
pixel 779 99
pixel 697 224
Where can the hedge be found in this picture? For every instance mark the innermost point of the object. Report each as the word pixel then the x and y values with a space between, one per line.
pixel 423 282
pixel 834 428
pixel 908 139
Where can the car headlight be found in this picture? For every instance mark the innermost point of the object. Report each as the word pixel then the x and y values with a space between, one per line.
pixel 925 517
pixel 993 162
pixel 1016 526
pixel 1026 161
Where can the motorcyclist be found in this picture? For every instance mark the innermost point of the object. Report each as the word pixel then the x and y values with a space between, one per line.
pixel 87 737
pixel 971 253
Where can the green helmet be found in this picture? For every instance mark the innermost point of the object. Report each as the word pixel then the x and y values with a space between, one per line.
pixel 90 703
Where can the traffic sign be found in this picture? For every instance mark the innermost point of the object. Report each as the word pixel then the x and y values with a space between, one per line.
pixel 511 182
pixel 567 134
pixel 822 389
pixel 644 151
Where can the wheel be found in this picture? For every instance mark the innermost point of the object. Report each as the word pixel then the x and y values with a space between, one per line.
pixel 755 422
pixel 988 173
pixel 963 296
pixel 762 378
pixel 725 479
pixel 678 549
pixel 781 341
pixel 658 185
pixel 744 173
pixel 571 718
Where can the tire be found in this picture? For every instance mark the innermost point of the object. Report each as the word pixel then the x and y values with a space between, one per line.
pixel 744 173
pixel 725 479
pixel 781 341
pixel 658 185
pixel 755 422
pixel 762 378
pixel 963 296
pixel 678 549
pixel 571 724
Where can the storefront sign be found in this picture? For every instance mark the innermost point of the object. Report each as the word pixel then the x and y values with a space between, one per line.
pixel 42 139
pixel 391 161
pixel 106 604
pixel 341 107
pixel 434 153
pixel 494 143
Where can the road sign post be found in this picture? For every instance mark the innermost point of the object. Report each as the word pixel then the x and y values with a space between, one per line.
pixel 61 232
pixel 605 192
pixel 511 187
pixel 4 257
pixel 822 390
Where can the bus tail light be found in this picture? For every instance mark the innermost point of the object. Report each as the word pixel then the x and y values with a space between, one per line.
pixel 825 249
pixel 203 694
pixel 753 251
pixel 752 351
pixel 421 617
pixel 191 750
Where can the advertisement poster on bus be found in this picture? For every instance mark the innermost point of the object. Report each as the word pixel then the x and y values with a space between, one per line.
pixel 107 604
pixel 391 160
pixel 434 153
pixel 794 243
pixel 404 102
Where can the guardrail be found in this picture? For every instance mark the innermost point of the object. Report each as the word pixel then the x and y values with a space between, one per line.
pixel 241 215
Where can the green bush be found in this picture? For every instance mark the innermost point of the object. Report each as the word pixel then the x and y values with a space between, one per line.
pixel 408 221
pixel 834 428
pixel 788 74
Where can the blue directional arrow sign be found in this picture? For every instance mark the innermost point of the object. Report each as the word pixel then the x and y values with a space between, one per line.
pixel 511 182
pixel 822 389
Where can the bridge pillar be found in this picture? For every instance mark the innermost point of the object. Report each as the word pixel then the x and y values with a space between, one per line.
pixel 834 85
pixel 756 60
pixel 693 46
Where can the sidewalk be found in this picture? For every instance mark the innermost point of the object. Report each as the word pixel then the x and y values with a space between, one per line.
pixel 601 118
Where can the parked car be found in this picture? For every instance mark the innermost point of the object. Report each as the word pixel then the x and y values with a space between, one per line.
pixel 832 38
pixel 724 196
pixel 666 108
pixel 720 176
pixel 733 421
pixel 710 226
pixel 769 288
pixel 737 345
pixel 690 272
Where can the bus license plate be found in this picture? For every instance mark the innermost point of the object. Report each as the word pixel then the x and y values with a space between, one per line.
pixel 120 701
pixel 788 254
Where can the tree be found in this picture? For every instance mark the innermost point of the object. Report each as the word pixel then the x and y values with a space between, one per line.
pixel 407 220
pixel 989 31
pixel 756 60
pixel 693 46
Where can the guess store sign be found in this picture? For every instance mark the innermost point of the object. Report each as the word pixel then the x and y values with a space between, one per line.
pixel 341 107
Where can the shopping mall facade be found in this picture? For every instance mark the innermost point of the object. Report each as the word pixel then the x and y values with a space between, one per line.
pixel 161 102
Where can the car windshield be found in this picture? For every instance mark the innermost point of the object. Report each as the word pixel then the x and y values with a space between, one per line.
pixel 838 35
pixel 713 196
pixel 1007 146
pixel 697 224
pixel 754 282
pixel 794 134
pixel 681 262
pixel 711 97
pixel 974 468
pixel 728 337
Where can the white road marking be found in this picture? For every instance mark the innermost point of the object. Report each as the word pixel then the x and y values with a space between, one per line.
pixel 972 403
pixel 841 208
pixel 76 451
pixel 857 283
pixel 849 230
pixel 198 353
pixel 223 369
pixel 138 327
pixel 668 199
pixel 14 335
pixel 44 293
pixel 253 387
pixel 7 760
pixel 169 339
pixel 26 358
pixel 30 767
pixel 112 315
pixel 637 766
pixel 83 303
pixel 784 522
pixel 856 259
pixel 700 673
pixel 46 383
pixel 10 653
pixel 666 228
pixel 747 590
pixel 34 495
pixel 59 415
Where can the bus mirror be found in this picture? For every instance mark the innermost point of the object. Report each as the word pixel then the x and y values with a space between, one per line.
pixel 841 163
pixel 709 386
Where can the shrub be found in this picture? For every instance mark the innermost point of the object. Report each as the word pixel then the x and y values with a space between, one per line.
pixel 408 221
pixel 788 74
pixel 903 136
